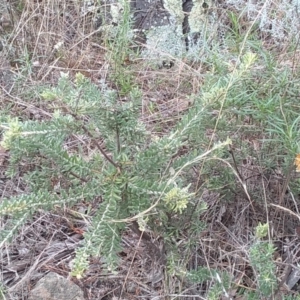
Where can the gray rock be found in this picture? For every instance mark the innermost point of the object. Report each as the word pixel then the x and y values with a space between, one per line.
pixel 148 14
pixel 56 287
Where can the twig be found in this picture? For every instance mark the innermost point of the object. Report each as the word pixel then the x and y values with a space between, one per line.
pixel 94 140
pixel 19 101
pixel 99 147
pixel 235 164
pixel 78 177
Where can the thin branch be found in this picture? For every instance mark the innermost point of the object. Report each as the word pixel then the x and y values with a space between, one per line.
pixel 99 147
pixel 78 177
pixel 94 140
pixel 235 164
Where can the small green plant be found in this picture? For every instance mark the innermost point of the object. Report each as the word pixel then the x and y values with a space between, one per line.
pixel 132 174
pixel 136 175
pixel 261 258
pixel 174 180
pixel 119 50
pixel 235 26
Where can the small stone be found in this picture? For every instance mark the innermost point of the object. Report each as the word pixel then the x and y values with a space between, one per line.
pixel 55 287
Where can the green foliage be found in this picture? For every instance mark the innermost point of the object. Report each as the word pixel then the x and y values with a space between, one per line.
pixel 261 258
pixel 262 230
pixel 291 297
pixel 136 175
pixel 2 292
pixel 129 179
pixel 92 146
pixel 177 199
pixel 120 52
pixel 221 281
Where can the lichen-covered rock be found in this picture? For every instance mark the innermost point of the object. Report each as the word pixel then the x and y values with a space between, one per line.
pixel 167 29
pixel 184 30
pixel 277 19
pixel 199 15
pixel 164 43
pixel 174 7
pixel 148 14
pixel 161 24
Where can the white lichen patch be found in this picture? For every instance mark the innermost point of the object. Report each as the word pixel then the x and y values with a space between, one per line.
pixel 174 7
pixel 164 43
pixel 116 10
pixel 280 19
pixel 198 16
